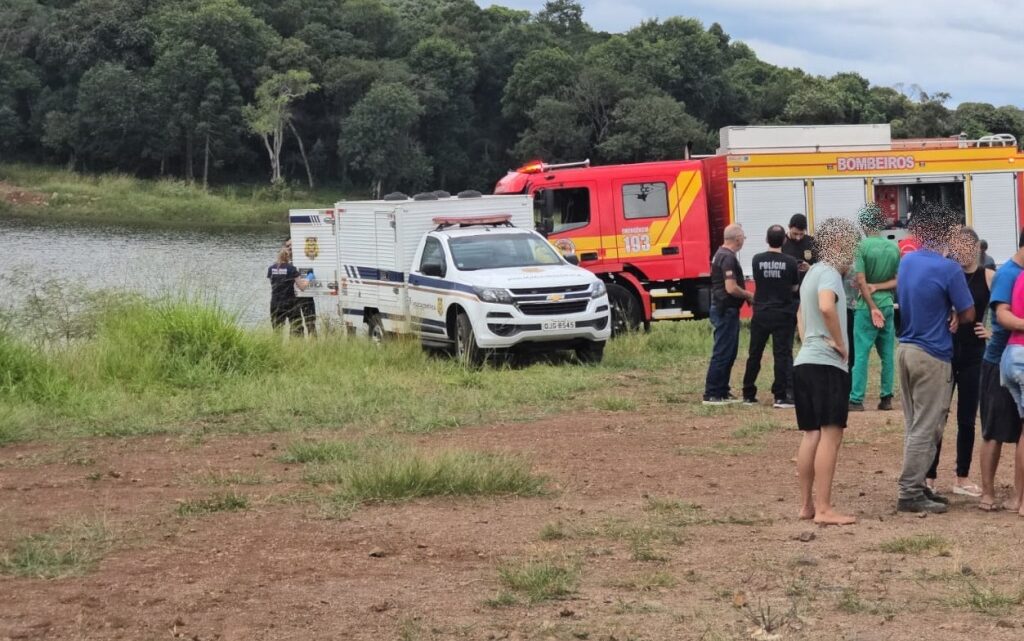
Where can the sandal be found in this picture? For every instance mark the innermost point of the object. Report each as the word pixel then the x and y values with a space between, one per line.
pixel 969 489
pixel 995 506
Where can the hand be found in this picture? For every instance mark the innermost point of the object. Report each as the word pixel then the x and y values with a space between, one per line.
pixel 841 350
pixel 877 318
pixel 871 290
pixel 982 332
pixel 954 324
pixel 802 266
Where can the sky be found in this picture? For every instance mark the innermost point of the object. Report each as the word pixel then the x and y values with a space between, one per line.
pixel 971 50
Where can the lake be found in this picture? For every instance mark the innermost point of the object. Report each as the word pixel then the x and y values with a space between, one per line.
pixel 228 266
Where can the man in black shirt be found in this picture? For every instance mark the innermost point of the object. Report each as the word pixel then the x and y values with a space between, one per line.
pixel 284 278
pixel 727 296
pixel 799 244
pixel 776 281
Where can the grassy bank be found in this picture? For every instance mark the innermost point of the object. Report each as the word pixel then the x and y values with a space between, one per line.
pixel 44 192
pixel 175 366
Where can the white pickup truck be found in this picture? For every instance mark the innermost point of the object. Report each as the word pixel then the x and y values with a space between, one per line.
pixel 465 274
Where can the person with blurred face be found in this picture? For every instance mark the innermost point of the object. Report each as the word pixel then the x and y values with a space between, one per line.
pixel 799 244
pixel 727 296
pixel 968 349
pixel 821 380
pixel 933 285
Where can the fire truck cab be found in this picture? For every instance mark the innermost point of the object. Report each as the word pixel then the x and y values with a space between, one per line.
pixel 645 229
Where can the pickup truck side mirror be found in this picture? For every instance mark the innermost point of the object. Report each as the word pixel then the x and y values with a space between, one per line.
pixel 572 259
pixel 432 269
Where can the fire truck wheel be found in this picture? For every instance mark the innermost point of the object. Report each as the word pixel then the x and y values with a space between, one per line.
pixel 591 353
pixel 626 316
pixel 375 329
pixel 467 351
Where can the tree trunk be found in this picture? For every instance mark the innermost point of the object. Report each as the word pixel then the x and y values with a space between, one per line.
pixel 270 152
pixel 302 150
pixel 190 175
pixel 206 163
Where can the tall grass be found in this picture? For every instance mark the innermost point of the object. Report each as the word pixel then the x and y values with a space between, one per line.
pixel 119 198
pixel 66 550
pixel 143 366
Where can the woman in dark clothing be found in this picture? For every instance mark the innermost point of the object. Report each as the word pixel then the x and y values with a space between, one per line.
pixel 284 278
pixel 968 347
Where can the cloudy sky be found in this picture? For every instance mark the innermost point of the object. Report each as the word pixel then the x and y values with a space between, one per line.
pixel 972 50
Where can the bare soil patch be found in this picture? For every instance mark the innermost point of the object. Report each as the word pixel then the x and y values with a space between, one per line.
pixel 680 522
pixel 16 196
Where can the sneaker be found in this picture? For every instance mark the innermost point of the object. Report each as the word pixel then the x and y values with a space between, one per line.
pixel 856 407
pixel 921 504
pixel 715 400
pixel 783 404
pixel 885 403
pixel 932 495
pixel 729 398
pixel 750 400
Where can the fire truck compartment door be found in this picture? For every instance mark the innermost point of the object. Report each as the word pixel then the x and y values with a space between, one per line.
pixel 759 204
pixel 994 213
pixel 837 198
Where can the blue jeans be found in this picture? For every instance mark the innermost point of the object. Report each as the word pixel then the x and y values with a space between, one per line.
pixel 726 325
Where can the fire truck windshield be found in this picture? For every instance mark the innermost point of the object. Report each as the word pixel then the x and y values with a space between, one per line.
pixel 495 251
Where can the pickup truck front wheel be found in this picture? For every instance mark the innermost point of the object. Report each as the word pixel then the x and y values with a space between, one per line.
pixel 591 353
pixel 467 351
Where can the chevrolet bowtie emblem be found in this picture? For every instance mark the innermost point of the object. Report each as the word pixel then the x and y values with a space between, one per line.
pixel 554 298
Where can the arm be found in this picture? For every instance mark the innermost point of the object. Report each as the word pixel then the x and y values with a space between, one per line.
pixel 827 306
pixel 884 285
pixel 1007 319
pixel 799 324
pixel 301 283
pixel 733 289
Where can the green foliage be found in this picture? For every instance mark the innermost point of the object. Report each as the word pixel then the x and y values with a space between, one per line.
pixel 226 502
pixel 541 579
pixel 67 550
pixel 400 93
pixel 915 544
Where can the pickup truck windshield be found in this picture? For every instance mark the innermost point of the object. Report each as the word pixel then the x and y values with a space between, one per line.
pixel 494 251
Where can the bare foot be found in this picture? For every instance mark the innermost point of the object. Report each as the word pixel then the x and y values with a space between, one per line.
pixel 834 518
pixel 806 513
pixel 1014 506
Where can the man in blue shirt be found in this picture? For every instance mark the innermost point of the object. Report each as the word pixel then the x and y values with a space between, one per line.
pixel 999 420
pixel 932 285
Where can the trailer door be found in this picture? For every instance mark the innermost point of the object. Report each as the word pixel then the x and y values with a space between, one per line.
pixel 759 204
pixel 838 198
pixel 388 277
pixel 994 213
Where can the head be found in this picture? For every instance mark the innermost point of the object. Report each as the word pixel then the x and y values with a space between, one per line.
pixel 776 236
pixel 871 218
pixel 734 237
pixel 836 241
pixel 934 225
pixel 284 256
pixel 797 227
pixel 984 245
pixel 965 248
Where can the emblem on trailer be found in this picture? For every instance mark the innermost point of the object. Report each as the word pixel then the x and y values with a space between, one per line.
pixel 312 248
pixel 440 306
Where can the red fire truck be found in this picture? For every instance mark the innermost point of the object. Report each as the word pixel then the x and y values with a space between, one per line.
pixel 649 229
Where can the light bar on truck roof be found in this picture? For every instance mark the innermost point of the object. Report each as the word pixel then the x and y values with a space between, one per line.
pixel 465 221
pixel 539 166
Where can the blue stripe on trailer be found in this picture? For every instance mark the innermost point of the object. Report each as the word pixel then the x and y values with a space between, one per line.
pixel 313 220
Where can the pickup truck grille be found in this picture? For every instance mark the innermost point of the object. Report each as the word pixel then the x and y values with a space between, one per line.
pixel 527 291
pixel 554 309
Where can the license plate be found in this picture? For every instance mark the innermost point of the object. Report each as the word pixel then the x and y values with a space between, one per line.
pixel 558 324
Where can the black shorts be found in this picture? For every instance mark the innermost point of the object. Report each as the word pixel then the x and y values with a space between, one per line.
pixel 822 396
pixel 999 418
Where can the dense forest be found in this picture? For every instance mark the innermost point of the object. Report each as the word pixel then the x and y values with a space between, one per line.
pixel 378 94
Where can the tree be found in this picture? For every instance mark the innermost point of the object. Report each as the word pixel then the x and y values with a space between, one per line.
pixel 556 132
pixel 110 124
pixel 653 128
pixel 564 17
pixel 541 73
pixel 271 113
pixel 379 138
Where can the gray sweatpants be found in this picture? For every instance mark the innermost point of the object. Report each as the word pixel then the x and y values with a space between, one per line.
pixel 927 386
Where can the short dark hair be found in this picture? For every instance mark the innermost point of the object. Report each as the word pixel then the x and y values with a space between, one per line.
pixel 776 236
pixel 799 221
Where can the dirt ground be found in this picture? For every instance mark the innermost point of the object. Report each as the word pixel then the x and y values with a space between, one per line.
pixel 745 567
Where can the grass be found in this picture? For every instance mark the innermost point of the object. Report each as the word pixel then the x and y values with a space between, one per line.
pixel 540 579
pixel 757 428
pixel 648 582
pixel 232 478
pixel 67 550
pixel 66 195
pixel 180 366
pixel 318 452
pixel 986 600
pixel 224 502
pixel 553 532
pixel 916 544
pixel 616 404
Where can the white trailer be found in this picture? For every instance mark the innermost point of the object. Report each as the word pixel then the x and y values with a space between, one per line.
pixel 465 273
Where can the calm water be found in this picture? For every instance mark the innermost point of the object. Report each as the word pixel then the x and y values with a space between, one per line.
pixel 229 266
